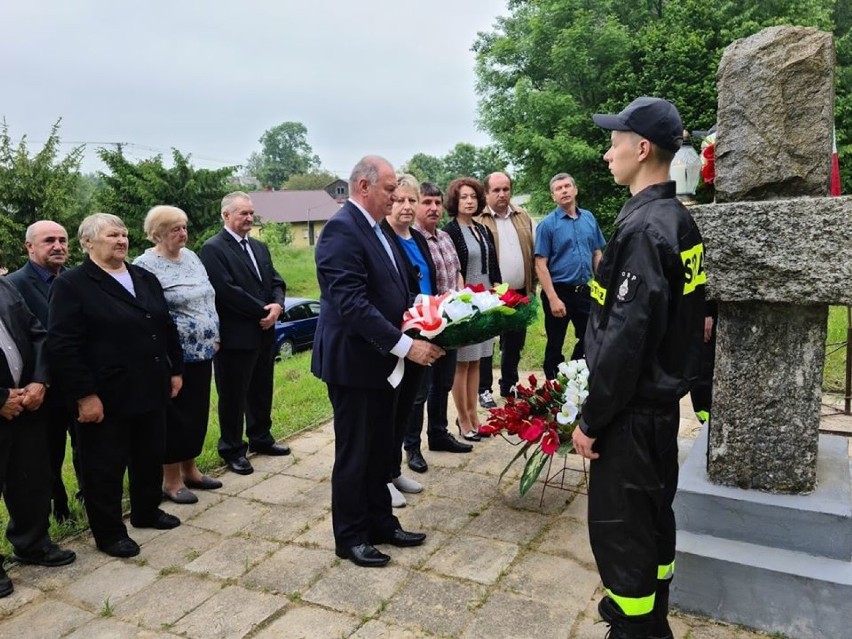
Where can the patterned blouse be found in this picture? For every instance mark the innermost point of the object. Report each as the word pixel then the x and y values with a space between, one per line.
pixel 191 301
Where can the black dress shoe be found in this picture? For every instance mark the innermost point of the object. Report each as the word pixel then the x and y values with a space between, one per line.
pixel 6 587
pixel 362 555
pixel 416 461
pixel 163 521
pixel 449 444
pixel 276 450
pixel 122 548
pixel 50 556
pixel 239 465
pixel 400 538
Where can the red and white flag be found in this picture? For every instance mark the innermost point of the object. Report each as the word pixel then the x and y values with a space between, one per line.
pixel 835 168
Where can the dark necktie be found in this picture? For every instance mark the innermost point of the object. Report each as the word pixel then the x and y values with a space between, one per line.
pixel 248 256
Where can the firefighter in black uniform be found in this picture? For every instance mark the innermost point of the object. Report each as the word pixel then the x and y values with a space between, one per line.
pixel 643 347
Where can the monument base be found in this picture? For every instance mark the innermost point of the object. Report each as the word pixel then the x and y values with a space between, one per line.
pixel 778 563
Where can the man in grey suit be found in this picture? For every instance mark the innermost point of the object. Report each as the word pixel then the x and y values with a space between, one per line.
pixel 249 299
pixel 24 474
pixel 47 246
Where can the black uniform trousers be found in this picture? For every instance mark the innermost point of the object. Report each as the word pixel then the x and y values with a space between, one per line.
pixel 631 489
pixel 577 306
pixel 188 414
pixel 244 379
pixel 123 442
pixel 25 481
pixel 438 398
pixel 363 453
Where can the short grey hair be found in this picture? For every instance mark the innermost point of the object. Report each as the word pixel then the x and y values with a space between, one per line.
pixel 30 233
pixel 366 169
pixel 562 176
pixel 92 226
pixel 160 219
pixel 231 198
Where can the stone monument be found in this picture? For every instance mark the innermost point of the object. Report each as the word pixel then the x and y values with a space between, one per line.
pixel 767 511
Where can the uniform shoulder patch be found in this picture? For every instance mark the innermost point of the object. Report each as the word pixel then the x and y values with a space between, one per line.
pixel 628 283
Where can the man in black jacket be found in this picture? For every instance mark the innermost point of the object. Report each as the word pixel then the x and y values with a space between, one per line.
pixel 24 465
pixel 643 346
pixel 47 246
pixel 249 299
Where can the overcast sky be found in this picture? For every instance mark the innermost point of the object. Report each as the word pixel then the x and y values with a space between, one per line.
pixel 208 77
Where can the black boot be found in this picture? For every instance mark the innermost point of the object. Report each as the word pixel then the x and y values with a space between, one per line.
pixel 661 628
pixel 622 626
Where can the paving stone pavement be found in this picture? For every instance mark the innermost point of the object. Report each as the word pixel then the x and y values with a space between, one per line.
pixel 255 559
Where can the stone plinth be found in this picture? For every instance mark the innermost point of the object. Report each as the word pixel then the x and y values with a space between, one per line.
pixel 776 562
pixel 766 397
pixel 775 89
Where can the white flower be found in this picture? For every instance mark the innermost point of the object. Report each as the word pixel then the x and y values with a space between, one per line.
pixel 567 414
pixel 563 368
pixel 456 309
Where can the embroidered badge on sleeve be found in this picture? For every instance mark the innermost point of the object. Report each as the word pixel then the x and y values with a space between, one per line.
pixel 629 283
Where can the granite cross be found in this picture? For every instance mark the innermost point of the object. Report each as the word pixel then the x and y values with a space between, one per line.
pixel 777 255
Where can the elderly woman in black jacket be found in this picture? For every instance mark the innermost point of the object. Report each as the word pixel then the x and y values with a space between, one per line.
pixel 475 246
pixel 113 344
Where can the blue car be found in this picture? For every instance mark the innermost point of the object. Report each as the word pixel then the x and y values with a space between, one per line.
pixel 296 327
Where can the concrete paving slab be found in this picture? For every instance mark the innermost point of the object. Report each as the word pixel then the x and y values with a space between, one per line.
pixel 46 579
pixel 546 578
pixel 270 463
pixel 286 522
pixel 316 467
pixel 509 615
pixel 475 558
pixel 567 537
pixel 181 545
pixel 435 604
pixel 357 591
pixel 233 557
pixel 317 534
pixel 461 484
pixel 231 516
pixel 506 524
pixel 45 619
pixel 112 582
pixel 184 512
pixel 234 484
pixel 289 571
pixel 306 622
pixel 277 489
pixel 449 515
pixel 379 630
pixel 231 613
pixel 24 594
pixel 161 604
pixel 417 556
pixel 113 629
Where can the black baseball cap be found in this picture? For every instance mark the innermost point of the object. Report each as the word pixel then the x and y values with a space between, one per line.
pixel 652 118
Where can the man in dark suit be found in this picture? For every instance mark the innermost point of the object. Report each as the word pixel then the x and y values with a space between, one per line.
pixel 358 351
pixel 249 299
pixel 24 473
pixel 47 246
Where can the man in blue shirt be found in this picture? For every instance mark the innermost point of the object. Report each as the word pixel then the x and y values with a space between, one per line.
pixel 568 247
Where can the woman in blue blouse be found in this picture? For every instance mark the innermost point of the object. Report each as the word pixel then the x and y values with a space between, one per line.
pixel 191 301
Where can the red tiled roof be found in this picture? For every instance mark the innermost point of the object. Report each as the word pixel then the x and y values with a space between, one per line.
pixel 293 206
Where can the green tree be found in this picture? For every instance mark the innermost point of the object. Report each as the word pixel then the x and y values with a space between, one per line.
pixel 426 168
pixel 550 64
pixel 34 187
pixel 284 152
pixel 312 181
pixel 130 189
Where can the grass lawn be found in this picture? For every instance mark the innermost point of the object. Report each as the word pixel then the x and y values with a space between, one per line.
pixel 300 400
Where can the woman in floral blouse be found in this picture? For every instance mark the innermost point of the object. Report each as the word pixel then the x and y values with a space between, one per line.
pixel 191 301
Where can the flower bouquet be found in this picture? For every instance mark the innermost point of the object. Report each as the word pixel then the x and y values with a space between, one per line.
pixel 468 316
pixel 542 417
